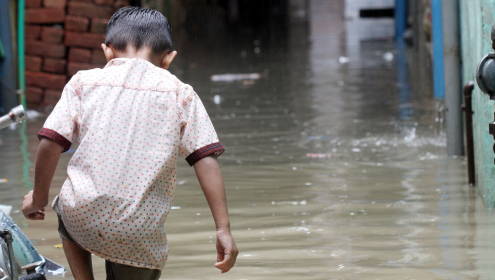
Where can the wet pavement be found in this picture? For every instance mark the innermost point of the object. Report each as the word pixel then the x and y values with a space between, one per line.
pixel 335 168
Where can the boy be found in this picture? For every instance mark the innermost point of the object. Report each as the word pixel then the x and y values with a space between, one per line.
pixel 132 119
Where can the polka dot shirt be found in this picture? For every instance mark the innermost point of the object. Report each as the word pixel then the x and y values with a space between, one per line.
pixel 132 119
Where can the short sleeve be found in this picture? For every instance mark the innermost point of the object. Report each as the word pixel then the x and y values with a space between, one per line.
pixel 198 136
pixel 61 125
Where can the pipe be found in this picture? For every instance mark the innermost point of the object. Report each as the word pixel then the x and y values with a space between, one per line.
pixel 20 51
pixel 437 39
pixel 400 18
pixel 452 77
pixel 468 111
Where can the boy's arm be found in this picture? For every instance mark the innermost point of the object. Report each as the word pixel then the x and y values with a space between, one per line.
pixel 211 181
pixel 47 158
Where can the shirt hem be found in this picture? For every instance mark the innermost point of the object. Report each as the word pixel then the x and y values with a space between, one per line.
pixel 108 258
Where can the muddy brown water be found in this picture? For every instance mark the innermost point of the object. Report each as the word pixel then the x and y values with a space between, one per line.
pixel 333 170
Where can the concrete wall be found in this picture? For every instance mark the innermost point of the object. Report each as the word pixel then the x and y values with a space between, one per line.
pixel 477 17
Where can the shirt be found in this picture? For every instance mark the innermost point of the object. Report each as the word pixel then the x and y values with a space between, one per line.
pixel 132 119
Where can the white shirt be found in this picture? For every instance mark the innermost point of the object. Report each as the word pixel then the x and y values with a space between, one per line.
pixel 132 120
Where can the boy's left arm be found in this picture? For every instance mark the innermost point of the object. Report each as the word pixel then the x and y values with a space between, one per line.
pixel 47 157
pixel 211 181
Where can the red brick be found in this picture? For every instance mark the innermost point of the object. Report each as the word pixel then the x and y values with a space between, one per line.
pixel 76 23
pixel 121 3
pixel 104 2
pixel 34 94
pixel 54 3
pixel 87 40
pixel 54 65
pixel 33 63
pixel 32 31
pixel 45 80
pixel 79 55
pixel 45 15
pixel 90 10
pixel 44 49
pixel 52 96
pixel 52 35
pixel 97 57
pixel 99 25
pixel 32 3
pixel 74 67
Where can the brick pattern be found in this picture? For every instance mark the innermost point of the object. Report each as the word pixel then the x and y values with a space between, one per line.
pixel 45 15
pixel 33 63
pixel 63 37
pixel 75 23
pixel 52 35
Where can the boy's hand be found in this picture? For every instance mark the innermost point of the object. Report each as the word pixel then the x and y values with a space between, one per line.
pixel 31 211
pixel 226 251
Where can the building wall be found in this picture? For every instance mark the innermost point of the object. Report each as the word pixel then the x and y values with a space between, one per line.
pixel 477 17
pixel 62 37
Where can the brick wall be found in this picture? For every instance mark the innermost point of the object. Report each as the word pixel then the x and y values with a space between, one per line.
pixel 63 37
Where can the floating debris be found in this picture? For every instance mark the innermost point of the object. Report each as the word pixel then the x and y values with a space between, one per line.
pixel 302 202
pixel 235 77
pixel 58 246
pixel 318 137
pixel 343 60
pixel 388 56
pixel 32 114
pixel 319 155
pixel 217 99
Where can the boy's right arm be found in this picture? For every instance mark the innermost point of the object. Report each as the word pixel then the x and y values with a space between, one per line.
pixel 211 181
pixel 47 158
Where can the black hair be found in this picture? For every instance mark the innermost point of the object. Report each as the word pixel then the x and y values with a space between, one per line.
pixel 139 27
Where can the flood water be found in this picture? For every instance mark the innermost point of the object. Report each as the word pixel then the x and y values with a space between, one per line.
pixel 335 167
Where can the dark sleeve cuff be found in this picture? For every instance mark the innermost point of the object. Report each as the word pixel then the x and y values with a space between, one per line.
pixel 55 136
pixel 214 148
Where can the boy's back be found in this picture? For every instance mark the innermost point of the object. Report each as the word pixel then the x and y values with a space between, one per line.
pixel 133 119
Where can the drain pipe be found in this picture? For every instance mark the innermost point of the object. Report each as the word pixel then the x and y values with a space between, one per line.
pixel 452 76
pixel 437 40
pixel 468 111
pixel 20 51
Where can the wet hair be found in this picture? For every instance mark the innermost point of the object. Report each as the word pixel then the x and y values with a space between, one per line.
pixel 139 27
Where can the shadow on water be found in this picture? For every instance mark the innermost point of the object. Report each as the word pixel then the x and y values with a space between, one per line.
pixel 335 165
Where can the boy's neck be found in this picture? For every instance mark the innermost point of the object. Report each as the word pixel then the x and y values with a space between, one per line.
pixel 143 53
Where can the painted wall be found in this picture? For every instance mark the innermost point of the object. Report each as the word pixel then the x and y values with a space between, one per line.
pixel 477 17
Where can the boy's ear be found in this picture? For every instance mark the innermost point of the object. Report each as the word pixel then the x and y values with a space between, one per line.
pixel 109 55
pixel 167 59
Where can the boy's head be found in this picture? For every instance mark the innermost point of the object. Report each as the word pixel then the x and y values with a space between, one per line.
pixel 138 29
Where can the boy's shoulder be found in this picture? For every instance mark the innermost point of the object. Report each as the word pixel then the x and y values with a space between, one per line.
pixel 135 74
